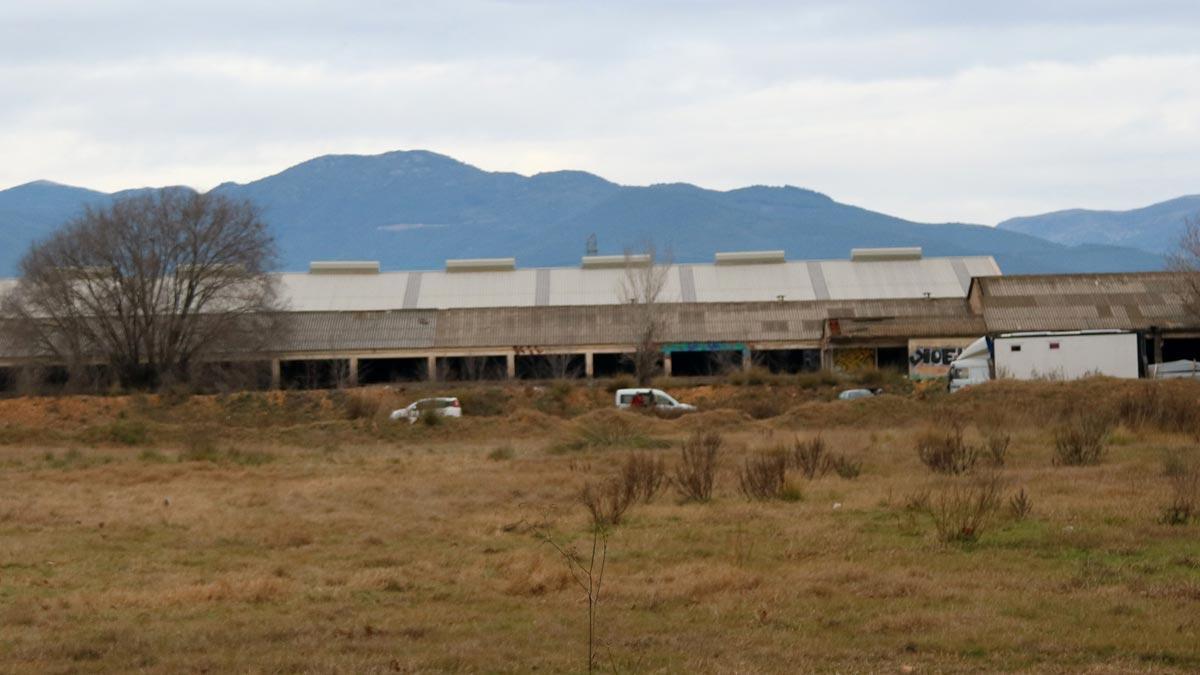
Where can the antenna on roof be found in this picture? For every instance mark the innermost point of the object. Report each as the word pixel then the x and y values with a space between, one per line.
pixel 592 247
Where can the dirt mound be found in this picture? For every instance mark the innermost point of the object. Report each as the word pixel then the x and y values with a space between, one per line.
pixel 712 420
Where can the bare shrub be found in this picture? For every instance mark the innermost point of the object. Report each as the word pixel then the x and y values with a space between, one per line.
pixel 918 500
pixel 1082 439
pixel 609 432
pixel 697 468
pixel 356 406
pixel 1182 470
pixel 846 467
pixel 502 453
pixel 1151 406
pixel 644 474
pixel 946 452
pixel 484 401
pixel 812 457
pixel 1020 505
pixel 607 500
pixel 962 511
pixel 762 409
pixel 763 476
pixel 590 578
pixel 995 445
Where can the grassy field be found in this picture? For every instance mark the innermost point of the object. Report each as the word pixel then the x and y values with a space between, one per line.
pixel 303 532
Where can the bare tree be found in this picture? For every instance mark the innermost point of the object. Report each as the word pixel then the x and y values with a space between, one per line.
pixel 149 286
pixel 642 287
pixel 1186 262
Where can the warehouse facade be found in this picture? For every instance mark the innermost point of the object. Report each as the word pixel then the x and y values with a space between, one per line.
pixel 350 323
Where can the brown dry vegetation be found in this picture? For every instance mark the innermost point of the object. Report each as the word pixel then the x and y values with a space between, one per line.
pixel 304 532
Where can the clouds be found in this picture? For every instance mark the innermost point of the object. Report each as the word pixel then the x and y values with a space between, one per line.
pixel 944 111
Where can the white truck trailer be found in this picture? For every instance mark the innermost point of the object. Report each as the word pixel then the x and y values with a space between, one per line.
pixel 1063 355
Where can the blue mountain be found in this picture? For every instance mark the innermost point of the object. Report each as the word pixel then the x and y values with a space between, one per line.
pixel 1154 228
pixel 416 209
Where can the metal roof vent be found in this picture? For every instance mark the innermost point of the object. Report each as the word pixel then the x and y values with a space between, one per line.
pixel 481 265
pixel 597 262
pixel 877 254
pixel 343 267
pixel 749 257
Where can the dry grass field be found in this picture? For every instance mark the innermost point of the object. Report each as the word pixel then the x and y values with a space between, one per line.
pixel 305 533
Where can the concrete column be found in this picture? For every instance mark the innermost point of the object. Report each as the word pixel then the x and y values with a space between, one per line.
pixel 431 368
pixel 510 363
pixel 276 374
pixel 667 364
pixel 747 361
pixel 352 377
pixel 589 365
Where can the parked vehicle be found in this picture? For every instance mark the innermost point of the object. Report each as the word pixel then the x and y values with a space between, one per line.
pixel 650 398
pixel 851 394
pixel 1062 355
pixel 1173 370
pixel 446 407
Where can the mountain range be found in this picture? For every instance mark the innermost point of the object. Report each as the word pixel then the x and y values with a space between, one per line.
pixel 415 209
pixel 1154 228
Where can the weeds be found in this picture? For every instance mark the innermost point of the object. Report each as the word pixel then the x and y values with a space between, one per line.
pixel 1182 471
pixel 502 453
pixel 484 402
pixel 763 476
pixel 1152 406
pixel 1020 505
pixel 74 459
pixel 811 457
pixel 607 500
pixel 356 406
pixel 846 468
pixel 1082 439
pixel 697 469
pixel 962 512
pixel 995 446
pixel 119 432
pixel 947 452
pixel 644 475
pixel 614 431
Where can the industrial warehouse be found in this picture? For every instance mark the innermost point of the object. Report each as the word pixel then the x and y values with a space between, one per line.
pixel 350 323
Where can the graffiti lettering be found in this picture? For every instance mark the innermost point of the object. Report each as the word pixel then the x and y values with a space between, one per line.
pixel 933 356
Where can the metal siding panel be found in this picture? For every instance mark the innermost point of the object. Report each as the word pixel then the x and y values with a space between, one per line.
pixel 817 275
pixel 542 294
pixel 412 290
pixel 687 284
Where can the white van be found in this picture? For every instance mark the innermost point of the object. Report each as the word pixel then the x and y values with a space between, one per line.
pixel 650 398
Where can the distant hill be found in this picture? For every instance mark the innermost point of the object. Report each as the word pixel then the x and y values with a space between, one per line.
pixel 1153 228
pixel 415 209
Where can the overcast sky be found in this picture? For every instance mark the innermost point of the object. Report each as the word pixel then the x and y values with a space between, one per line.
pixel 954 110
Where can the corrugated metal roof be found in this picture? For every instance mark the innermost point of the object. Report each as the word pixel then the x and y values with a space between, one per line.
pixel 1130 301
pixel 843 280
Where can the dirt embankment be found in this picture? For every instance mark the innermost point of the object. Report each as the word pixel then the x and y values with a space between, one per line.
pixel 530 411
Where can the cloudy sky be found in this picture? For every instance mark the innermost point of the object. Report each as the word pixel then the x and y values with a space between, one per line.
pixel 938 110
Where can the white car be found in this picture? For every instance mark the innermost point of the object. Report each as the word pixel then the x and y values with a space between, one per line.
pixel 851 394
pixel 446 407
pixel 650 398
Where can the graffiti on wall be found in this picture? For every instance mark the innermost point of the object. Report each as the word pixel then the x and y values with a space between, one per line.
pixel 849 360
pixel 932 358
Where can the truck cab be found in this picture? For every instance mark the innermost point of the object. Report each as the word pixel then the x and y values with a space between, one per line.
pixel 973 365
